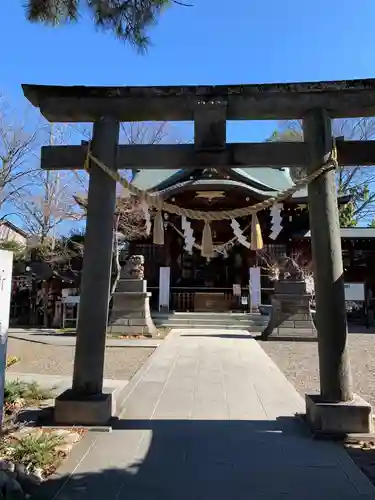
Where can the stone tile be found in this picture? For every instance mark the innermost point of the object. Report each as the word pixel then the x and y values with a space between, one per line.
pixel 212 418
pixel 157 374
pixel 172 405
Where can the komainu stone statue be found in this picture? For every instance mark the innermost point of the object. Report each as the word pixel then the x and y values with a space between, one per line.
pixel 131 301
pixel 290 313
pixel 134 268
pixel 290 270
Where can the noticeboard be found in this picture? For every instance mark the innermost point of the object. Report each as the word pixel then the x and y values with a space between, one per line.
pixel 354 291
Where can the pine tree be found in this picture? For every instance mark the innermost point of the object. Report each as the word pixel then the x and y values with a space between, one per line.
pixel 127 19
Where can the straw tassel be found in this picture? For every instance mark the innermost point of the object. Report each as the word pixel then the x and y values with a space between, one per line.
pixel 207 246
pixel 158 232
pixel 147 217
pixel 256 234
pixel 86 165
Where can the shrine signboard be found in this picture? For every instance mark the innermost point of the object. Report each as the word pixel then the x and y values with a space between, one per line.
pixel 6 265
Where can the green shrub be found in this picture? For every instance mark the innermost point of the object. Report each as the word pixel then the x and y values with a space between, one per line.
pixel 33 450
pixel 30 391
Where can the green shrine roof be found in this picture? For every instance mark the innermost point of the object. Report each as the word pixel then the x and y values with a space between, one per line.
pixel 260 180
pixel 149 178
pixel 271 178
pixel 264 182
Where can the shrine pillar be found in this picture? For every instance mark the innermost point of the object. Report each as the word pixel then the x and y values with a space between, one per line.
pixel 336 409
pixel 85 403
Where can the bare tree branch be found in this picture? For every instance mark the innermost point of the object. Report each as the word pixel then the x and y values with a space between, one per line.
pixel 47 204
pixel 130 133
pixel 130 216
pixel 144 132
pixel 353 181
pixel 17 155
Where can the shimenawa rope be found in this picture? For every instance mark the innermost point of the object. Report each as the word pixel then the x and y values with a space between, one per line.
pixel 158 203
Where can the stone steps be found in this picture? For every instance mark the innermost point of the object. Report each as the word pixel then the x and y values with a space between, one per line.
pixel 210 315
pixel 254 322
pixel 206 326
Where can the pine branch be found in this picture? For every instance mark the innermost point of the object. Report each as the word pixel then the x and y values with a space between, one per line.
pixel 52 12
pixel 127 19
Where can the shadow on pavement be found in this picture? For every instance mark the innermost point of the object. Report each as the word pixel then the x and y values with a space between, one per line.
pixel 53 334
pixel 289 338
pixel 356 328
pixel 253 335
pixel 204 460
pixel 220 335
pixel 364 457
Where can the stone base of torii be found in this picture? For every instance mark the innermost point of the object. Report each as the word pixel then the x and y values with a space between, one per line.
pixel 336 409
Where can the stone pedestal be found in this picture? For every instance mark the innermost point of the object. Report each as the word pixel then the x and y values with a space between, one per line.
pixel 341 418
pixel 290 314
pixel 76 409
pixel 131 309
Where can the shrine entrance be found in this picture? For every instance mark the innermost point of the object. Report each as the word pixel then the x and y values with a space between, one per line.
pixel 336 408
pixel 211 285
pixel 204 285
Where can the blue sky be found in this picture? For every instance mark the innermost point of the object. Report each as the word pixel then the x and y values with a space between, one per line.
pixel 213 42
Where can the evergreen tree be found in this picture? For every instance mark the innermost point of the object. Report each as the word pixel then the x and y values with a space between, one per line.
pixel 127 19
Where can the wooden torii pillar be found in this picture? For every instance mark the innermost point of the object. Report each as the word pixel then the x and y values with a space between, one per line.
pixel 336 409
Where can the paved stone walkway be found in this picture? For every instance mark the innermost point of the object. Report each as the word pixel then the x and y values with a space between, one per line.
pixel 209 417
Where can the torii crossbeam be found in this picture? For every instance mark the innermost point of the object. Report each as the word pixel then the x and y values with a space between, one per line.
pixel 336 409
pixel 186 156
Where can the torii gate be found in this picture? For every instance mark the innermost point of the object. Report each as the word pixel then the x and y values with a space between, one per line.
pixel 336 409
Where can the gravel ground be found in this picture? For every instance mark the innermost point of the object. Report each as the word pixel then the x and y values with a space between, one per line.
pixel 120 362
pixel 299 362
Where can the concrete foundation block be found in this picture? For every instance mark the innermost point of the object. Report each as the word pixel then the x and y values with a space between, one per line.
pixel 346 417
pixel 137 321
pixel 288 324
pixel 73 409
pixel 129 330
pixel 304 324
pixel 290 287
pixel 132 285
pixel 296 332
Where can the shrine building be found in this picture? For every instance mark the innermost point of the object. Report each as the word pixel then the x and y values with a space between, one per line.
pixel 201 284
